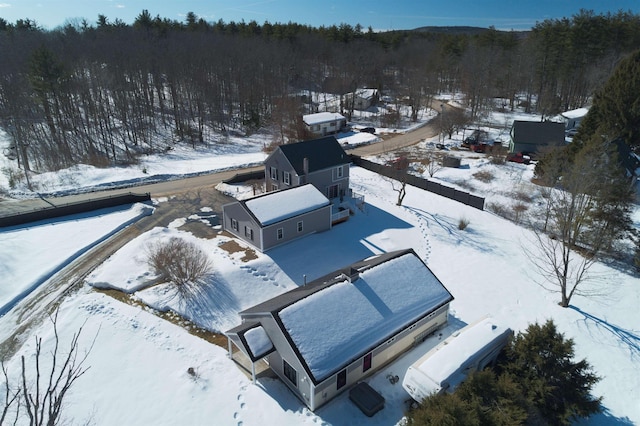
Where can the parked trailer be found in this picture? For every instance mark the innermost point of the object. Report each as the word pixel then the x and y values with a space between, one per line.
pixel 444 367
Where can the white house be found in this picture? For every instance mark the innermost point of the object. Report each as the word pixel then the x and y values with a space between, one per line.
pixel 362 98
pixel 326 336
pixel 573 118
pixel 324 123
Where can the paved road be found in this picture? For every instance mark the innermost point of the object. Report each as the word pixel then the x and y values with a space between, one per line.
pixel 185 197
pixel 183 185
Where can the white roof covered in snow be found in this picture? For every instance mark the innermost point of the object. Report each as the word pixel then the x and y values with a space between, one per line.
pixel 321 117
pixel 280 205
pixel 258 341
pixel 344 320
pixel 575 113
pixel 441 365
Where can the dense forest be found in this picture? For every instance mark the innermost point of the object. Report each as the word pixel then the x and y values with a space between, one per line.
pixel 102 93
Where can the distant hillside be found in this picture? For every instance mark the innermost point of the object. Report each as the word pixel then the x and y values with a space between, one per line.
pixel 459 30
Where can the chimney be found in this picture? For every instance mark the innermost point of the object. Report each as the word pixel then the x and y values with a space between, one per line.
pixel 353 276
pixel 305 165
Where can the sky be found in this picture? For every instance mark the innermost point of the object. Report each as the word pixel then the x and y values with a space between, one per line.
pixel 379 15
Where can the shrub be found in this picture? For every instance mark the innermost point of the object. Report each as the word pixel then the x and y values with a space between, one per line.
pixel 484 176
pixel 180 262
pixel 523 196
pixel 497 208
pixel 463 222
pixel 518 210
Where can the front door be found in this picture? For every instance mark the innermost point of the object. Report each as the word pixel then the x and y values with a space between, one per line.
pixel 333 191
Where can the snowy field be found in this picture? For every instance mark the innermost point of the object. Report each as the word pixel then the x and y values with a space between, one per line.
pixel 139 362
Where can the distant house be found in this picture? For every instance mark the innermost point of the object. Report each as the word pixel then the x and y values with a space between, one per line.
pixel 275 218
pixel 362 98
pixel 573 118
pixel 329 334
pixel 320 162
pixel 324 123
pixel 531 136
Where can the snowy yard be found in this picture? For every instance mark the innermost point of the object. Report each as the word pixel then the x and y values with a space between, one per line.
pixel 139 362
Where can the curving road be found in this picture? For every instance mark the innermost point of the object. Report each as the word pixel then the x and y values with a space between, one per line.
pixel 184 198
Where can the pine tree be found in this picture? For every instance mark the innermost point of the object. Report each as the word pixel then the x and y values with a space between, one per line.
pixel 542 361
pixel 615 112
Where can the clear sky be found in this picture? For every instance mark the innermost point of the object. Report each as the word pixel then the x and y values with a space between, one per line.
pixel 378 14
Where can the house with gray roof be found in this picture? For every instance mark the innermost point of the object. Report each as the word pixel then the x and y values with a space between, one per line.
pixel 326 336
pixel 276 218
pixel 531 136
pixel 320 162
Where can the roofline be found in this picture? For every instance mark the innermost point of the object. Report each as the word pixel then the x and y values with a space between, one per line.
pixel 328 280
pixel 266 194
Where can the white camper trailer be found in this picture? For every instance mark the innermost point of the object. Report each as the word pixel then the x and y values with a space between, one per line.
pixel 444 367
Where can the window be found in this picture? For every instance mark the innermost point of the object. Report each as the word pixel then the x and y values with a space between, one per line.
pixel 234 224
pixel 286 178
pixel 290 373
pixel 300 226
pixel 280 233
pixel 339 173
pixel 332 124
pixel 332 191
pixel 274 173
pixel 366 362
pixel 248 232
pixel 342 379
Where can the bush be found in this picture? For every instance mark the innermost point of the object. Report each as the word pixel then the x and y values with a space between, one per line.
pixel 180 262
pixel 484 176
pixel 518 210
pixel 497 208
pixel 463 222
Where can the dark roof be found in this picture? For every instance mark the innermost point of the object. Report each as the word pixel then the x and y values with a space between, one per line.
pixel 321 153
pixel 538 132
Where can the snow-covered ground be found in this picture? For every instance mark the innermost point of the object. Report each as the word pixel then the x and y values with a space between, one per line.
pixel 139 361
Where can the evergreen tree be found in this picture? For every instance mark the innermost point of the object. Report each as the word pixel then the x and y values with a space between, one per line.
pixel 616 107
pixel 542 361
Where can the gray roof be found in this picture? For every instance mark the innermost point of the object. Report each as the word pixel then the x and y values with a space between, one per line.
pixel 321 153
pixel 538 132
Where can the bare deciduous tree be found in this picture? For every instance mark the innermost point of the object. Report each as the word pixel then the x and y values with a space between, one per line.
pixel 41 399
pixel 578 233
pixel 180 262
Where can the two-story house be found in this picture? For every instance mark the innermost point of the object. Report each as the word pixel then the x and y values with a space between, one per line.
pixel 320 162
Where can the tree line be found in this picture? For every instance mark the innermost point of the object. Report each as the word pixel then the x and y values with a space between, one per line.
pixel 106 92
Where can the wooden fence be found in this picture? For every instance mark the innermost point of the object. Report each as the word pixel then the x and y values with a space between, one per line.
pixel 418 182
